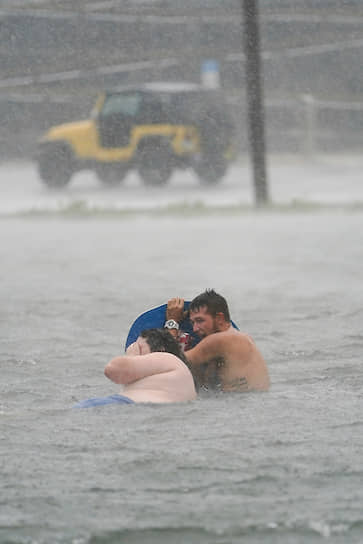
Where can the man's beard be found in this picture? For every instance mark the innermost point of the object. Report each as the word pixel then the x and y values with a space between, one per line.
pixel 205 334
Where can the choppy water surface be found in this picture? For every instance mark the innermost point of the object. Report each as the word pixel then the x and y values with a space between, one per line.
pixel 281 467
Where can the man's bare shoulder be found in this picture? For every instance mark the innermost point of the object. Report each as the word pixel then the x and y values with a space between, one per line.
pixel 230 335
pixel 219 344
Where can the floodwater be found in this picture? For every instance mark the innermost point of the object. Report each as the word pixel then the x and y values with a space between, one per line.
pixel 328 180
pixel 283 467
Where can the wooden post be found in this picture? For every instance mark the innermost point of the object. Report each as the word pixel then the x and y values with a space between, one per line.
pixel 256 132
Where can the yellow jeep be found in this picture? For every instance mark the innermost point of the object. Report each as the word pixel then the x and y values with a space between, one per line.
pixel 153 128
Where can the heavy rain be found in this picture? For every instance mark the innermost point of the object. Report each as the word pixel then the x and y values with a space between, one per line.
pixel 134 138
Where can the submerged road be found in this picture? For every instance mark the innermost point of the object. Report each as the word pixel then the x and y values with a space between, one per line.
pixel 322 180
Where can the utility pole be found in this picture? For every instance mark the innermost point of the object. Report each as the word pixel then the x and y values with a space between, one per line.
pixel 256 129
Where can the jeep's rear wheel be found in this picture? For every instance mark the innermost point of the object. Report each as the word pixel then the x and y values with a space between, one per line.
pixel 155 176
pixel 154 164
pixel 55 165
pixel 211 170
pixel 111 175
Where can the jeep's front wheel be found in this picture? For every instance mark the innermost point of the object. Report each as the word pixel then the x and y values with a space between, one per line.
pixel 55 165
pixel 111 175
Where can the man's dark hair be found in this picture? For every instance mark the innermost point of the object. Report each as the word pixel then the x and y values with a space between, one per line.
pixel 214 303
pixel 162 340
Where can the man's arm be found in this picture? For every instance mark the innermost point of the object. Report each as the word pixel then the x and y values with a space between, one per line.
pixel 175 311
pixel 127 369
pixel 219 345
pixel 207 349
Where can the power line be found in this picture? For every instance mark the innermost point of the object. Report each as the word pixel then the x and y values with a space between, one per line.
pixel 303 51
pixel 170 19
pixel 24 81
pixel 296 52
pixel 118 18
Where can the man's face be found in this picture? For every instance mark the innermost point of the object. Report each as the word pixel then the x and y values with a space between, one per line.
pixel 203 322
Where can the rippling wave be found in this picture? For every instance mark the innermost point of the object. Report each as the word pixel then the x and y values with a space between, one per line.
pixel 273 533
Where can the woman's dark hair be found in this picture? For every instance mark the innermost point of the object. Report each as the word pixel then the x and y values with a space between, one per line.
pixel 214 303
pixel 162 340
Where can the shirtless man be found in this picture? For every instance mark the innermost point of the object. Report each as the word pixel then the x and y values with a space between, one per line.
pixel 153 369
pixel 225 358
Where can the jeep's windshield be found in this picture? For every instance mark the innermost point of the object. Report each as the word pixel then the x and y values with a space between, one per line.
pixel 125 104
pixel 141 107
